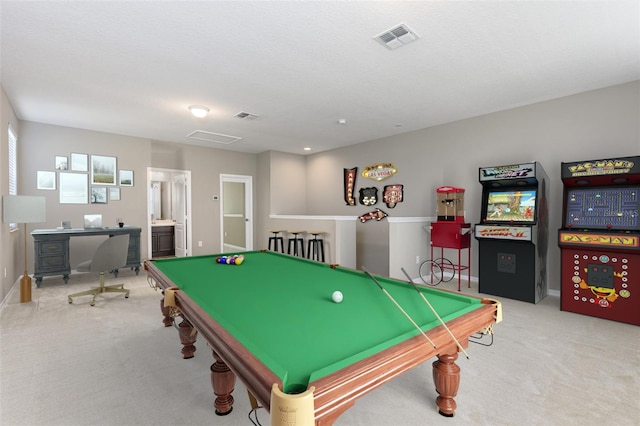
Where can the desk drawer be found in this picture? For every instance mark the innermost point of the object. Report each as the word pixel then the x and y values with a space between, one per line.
pixel 52 247
pixel 52 263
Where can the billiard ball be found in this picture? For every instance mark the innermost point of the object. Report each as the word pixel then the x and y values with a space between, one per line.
pixel 337 296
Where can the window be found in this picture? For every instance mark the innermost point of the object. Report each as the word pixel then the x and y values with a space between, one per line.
pixel 13 168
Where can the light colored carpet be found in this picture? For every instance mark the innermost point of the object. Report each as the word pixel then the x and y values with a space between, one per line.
pixel 115 364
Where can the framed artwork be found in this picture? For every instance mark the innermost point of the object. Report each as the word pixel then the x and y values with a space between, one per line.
pixel 98 195
pixel 74 188
pixel 126 177
pixel 62 162
pixel 114 194
pixel 47 180
pixel 103 170
pixel 79 162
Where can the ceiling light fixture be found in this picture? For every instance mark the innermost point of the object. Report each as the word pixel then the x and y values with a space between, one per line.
pixel 199 111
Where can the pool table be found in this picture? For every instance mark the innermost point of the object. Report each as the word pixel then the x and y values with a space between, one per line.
pixel 272 320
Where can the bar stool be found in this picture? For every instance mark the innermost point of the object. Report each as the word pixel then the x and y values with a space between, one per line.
pixel 296 241
pixel 275 238
pixel 315 250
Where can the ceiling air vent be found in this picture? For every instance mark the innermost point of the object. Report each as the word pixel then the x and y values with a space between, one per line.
pixel 246 115
pixel 202 135
pixel 396 37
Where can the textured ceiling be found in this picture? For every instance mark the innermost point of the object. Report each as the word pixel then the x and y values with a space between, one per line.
pixel 134 67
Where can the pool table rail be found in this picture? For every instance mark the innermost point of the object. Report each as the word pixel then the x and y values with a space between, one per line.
pixel 366 375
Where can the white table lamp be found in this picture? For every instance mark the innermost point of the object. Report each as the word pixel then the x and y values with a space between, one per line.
pixel 24 209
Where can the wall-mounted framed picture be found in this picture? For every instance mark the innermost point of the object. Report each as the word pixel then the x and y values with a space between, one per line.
pixel 98 195
pixel 103 170
pixel 126 177
pixel 79 162
pixel 46 180
pixel 74 188
pixel 114 194
pixel 62 162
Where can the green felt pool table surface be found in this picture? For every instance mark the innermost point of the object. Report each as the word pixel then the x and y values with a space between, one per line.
pixel 280 309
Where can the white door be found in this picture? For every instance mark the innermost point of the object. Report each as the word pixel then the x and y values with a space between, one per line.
pixel 179 209
pixel 236 211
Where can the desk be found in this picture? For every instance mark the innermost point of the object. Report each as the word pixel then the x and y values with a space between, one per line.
pixel 51 249
pixel 271 320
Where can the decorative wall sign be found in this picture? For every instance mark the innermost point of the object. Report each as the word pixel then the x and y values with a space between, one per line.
pixel 377 214
pixel 368 196
pixel 392 195
pixel 349 185
pixel 379 171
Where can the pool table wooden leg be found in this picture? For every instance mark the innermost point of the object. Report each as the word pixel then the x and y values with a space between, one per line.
pixel 223 381
pixel 165 312
pixel 446 377
pixel 188 336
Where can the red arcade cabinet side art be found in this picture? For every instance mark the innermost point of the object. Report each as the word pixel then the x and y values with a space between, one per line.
pixel 600 239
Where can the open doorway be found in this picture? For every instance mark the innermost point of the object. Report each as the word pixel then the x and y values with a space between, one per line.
pixel 169 212
pixel 236 211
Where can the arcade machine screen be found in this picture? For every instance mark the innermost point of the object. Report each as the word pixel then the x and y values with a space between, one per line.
pixel 512 206
pixel 603 208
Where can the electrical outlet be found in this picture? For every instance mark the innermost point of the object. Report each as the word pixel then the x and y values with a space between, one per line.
pixel 199 243
pixel 417 260
pixel 5 272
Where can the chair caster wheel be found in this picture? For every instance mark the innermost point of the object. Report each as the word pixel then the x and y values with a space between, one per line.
pixel 70 301
pixel 93 303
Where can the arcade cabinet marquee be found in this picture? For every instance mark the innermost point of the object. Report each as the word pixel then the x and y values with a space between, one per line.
pixel 600 239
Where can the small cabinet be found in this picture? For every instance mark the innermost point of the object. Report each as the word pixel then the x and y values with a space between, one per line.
pixel 162 241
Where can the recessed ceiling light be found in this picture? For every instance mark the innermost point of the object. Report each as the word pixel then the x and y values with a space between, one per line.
pixel 306 148
pixel 342 121
pixel 199 111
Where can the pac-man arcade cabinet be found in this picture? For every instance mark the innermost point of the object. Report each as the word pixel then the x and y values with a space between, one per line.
pixel 600 239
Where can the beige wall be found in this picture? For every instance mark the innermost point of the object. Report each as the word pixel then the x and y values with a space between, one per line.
pixel 288 177
pixel 206 166
pixel 597 124
pixel 11 248
pixel 40 143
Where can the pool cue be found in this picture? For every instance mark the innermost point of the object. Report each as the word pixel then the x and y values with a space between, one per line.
pixel 398 306
pixel 435 313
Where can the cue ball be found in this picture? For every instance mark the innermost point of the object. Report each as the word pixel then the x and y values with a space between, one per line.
pixel 337 296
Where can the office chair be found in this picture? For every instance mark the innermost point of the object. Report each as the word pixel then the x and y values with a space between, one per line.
pixel 110 255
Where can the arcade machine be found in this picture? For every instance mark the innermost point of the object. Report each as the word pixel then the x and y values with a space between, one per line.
pixel 513 232
pixel 450 231
pixel 600 239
